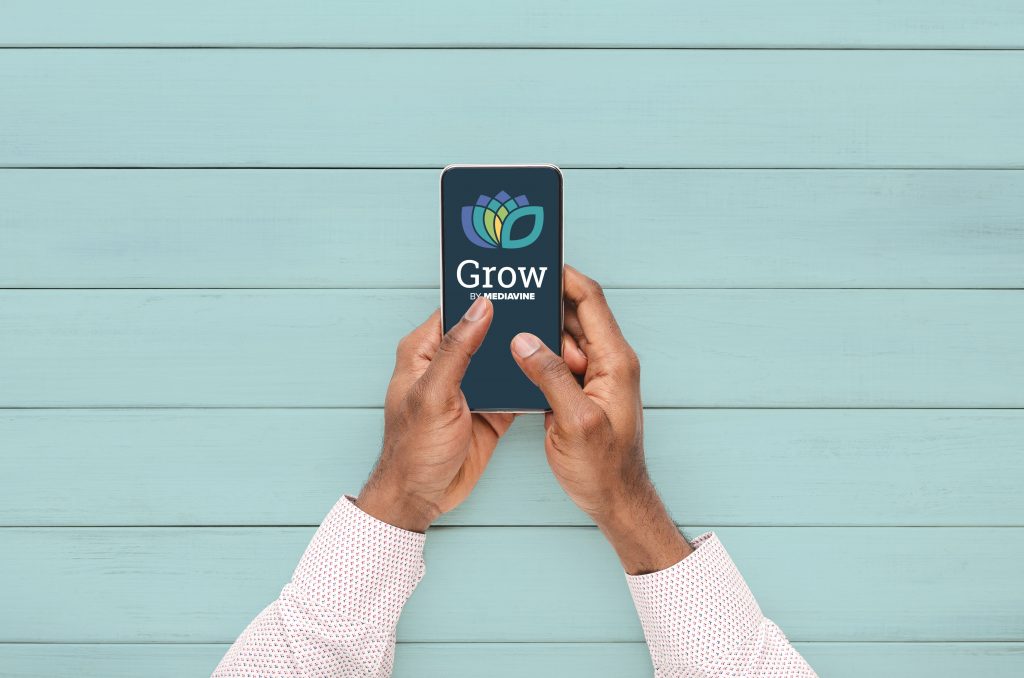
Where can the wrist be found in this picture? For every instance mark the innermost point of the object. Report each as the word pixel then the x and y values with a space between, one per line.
pixel 396 507
pixel 643 534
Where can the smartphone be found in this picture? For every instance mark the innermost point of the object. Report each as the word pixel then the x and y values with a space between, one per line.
pixel 501 237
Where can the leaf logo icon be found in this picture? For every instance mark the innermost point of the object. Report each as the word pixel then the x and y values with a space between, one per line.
pixel 489 222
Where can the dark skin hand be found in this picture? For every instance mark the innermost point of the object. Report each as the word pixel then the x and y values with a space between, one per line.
pixel 594 433
pixel 435 449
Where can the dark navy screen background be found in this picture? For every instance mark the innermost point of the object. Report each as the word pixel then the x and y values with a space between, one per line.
pixel 494 381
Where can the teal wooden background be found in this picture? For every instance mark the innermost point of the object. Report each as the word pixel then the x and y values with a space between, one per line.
pixel 218 218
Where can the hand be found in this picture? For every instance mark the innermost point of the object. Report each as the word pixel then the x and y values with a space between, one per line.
pixel 434 448
pixel 594 434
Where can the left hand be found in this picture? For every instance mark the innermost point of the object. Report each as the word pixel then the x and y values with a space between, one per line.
pixel 435 449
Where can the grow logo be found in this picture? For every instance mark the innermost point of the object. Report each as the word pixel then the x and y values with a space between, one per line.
pixel 489 222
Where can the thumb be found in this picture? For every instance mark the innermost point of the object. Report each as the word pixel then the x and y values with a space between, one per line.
pixel 549 372
pixel 449 363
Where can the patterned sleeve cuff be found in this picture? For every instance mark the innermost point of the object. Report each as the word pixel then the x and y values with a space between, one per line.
pixel 696 610
pixel 360 566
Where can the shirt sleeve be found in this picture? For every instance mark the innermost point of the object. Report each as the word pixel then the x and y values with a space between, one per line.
pixel 701 621
pixel 337 616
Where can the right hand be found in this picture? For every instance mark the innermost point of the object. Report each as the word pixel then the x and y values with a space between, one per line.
pixel 594 433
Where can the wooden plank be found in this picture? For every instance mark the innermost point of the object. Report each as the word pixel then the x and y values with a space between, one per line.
pixel 590 108
pixel 512 660
pixel 447 23
pixel 717 348
pixel 557 584
pixel 724 228
pixel 720 467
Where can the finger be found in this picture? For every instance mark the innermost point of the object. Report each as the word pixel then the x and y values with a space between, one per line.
pixel 571 324
pixel 573 356
pixel 419 346
pixel 458 345
pixel 596 319
pixel 499 422
pixel 488 427
pixel 548 372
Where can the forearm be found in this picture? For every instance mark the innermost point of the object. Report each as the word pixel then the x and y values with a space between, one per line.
pixel 337 616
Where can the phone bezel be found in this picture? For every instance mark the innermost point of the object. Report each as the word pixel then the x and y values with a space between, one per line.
pixel 561 254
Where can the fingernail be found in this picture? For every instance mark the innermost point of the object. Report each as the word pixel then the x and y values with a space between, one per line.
pixel 476 311
pixel 525 345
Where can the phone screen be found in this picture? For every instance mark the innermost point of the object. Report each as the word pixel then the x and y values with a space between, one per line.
pixel 501 236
